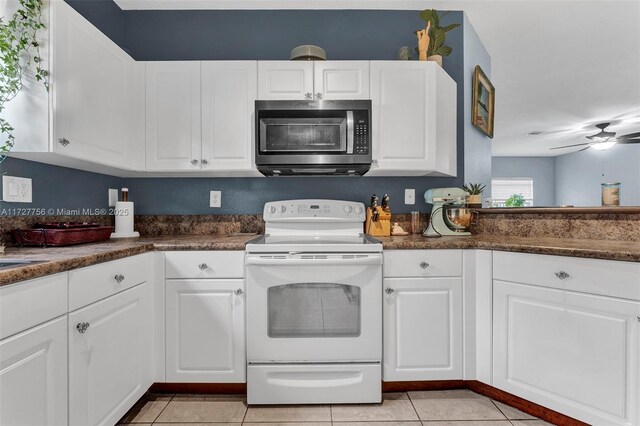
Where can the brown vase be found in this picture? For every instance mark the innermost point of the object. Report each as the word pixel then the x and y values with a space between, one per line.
pixel 474 201
pixel 435 58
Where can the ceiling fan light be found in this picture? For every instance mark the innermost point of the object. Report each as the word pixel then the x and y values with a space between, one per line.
pixel 601 146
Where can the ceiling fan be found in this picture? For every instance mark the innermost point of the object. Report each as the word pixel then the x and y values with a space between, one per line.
pixel 605 140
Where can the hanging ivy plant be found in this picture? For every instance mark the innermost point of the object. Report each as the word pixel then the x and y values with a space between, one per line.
pixel 19 52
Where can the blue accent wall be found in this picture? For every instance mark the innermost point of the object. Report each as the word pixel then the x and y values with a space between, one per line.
pixel 57 187
pixel 252 34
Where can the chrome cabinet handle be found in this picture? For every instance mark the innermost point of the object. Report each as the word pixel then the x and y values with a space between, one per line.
pixel 194 162
pixel 562 275
pixel 319 96
pixel 119 278
pixel 424 265
pixel 203 266
pixel 82 327
pixel 389 290
pixel 64 141
pixel 239 292
pixel 308 96
pixel 204 162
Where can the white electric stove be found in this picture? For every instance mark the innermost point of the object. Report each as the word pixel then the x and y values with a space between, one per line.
pixel 314 306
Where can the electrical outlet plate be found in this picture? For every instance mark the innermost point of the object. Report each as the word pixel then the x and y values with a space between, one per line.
pixel 16 189
pixel 215 198
pixel 409 196
pixel 113 197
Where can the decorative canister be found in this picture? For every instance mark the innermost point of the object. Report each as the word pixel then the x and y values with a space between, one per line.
pixel 611 194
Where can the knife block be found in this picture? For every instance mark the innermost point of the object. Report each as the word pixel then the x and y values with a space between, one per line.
pixel 381 227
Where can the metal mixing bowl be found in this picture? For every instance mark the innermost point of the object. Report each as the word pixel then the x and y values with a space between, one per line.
pixel 457 218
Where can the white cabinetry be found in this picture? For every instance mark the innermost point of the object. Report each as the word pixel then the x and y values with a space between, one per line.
pixel 414 119
pixel 111 360
pixel 422 315
pixel 200 116
pixel 96 105
pixel 173 116
pixel 573 352
pixel 33 376
pixel 205 318
pixel 296 80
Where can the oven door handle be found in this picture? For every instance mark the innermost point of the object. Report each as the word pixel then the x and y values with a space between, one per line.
pixel 369 260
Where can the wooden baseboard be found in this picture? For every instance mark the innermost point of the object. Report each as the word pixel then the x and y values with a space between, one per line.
pixel 521 404
pixel 223 388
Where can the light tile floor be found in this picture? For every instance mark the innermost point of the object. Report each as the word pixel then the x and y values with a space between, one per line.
pixel 433 408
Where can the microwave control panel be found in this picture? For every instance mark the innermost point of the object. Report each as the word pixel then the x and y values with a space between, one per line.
pixel 361 141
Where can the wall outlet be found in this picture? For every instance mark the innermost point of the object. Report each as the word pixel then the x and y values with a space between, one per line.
pixel 113 197
pixel 410 196
pixel 215 198
pixel 16 189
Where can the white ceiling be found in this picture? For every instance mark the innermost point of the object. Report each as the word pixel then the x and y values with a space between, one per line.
pixel 558 66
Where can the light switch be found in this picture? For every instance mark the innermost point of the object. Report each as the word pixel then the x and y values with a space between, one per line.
pixel 410 196
pixel 113 197
pixel 16 189
pixel 215 198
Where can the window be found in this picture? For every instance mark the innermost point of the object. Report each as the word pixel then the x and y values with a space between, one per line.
pixel 503 188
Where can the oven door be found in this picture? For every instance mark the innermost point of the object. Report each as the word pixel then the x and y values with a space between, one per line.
pixel 308 307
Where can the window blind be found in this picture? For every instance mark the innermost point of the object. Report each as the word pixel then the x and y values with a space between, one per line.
pixel 503 188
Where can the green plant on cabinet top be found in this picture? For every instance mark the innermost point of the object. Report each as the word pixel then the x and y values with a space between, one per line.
pixel 437 34
pixel 19 50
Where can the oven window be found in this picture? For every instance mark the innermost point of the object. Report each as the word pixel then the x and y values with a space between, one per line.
pixel 314 310
pixel 296 135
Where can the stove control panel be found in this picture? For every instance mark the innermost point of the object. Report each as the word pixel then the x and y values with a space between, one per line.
pixel 314 211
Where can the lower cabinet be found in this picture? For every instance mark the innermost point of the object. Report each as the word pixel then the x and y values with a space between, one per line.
pixel 205 335
pixel 33 376
pixel 572 352
pixel 110 356
pixel 422 329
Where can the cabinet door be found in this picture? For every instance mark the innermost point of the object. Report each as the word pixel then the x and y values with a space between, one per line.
pixel 33 376
pixel 111 363
pixel 412 123
pixel 97 94
pixel 229 91
pixel 173 116
pixel 283 80
pixel 571 352
pixel 341 79
pixel 205 331
pixel 422 329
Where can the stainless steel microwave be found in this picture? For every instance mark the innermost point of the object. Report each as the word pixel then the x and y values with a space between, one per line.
pixel 313 137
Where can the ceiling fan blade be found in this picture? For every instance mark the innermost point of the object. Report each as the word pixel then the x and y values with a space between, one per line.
pixel 569 146
pixel 629 136
pixel 637 140
pixel 583 149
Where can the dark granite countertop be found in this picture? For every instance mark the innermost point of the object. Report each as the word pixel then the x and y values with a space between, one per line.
pixel 60 259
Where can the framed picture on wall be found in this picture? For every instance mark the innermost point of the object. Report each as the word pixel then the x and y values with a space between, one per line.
pixel 483 102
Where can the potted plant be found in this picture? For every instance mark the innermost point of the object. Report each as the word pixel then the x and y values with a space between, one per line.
pixel 474 199
pixel 19 56
pixel 516 200
pixel 436 36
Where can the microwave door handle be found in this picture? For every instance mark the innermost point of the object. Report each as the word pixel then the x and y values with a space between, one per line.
pixel 350 132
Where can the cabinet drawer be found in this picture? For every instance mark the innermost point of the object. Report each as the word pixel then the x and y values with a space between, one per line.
pixel 595 276
pixel 29 303
pixel 422 263
pixel 93 283
pixel 204 264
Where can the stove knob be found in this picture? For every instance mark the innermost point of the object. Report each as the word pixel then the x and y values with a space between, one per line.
pixel 348 209
pixel 358 209
pixel 272 209
pixel 283 209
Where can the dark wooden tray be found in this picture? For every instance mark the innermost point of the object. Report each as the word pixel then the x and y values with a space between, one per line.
pixel 55 234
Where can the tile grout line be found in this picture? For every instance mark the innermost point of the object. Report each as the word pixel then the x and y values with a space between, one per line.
pixel 246 410
pixel 163 408
pixel 414 407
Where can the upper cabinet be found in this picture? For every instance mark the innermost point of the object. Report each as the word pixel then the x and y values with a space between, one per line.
pixel 173 116
pixel 199 116
pixel 299 80
pixel 413 119
pixel 96 98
